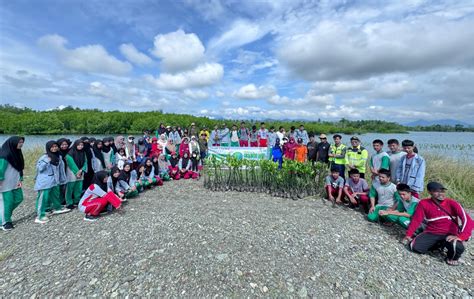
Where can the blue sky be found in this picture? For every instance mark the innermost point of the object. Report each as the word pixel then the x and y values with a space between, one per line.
pixel 398 61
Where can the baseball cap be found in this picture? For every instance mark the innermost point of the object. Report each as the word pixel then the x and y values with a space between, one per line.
pixel 434 186
pixel 355 138
pixel 322 136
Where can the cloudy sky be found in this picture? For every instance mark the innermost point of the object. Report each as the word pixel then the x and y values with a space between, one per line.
pixel 328 59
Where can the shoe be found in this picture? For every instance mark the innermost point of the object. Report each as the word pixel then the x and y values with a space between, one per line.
pixel 70 207
pixel 42 220
pixel 90 218
pixel 62 211
pixel 8 226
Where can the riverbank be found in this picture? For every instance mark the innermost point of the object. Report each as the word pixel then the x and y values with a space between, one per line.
pixel 182 240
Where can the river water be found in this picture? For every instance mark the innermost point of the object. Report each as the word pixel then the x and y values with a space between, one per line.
pixel 457 145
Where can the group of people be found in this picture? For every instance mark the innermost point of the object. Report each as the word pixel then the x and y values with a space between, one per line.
pixel 99 175
pixel 397 180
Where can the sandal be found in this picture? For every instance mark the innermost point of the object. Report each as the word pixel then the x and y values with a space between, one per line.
pixel 452 262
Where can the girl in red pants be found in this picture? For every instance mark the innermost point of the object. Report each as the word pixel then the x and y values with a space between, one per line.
pixel 97 196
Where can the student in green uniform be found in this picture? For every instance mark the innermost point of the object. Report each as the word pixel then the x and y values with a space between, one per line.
pixel 381 194
pixel 403 208
pixel 50 174
pixel 11 177
pixel 76 168
pixel 380 160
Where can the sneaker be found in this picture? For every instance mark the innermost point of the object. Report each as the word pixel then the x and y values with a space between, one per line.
pixel 62 211
pixel 70 207
pixel 42 220
pixel 90 218
pixel 8 226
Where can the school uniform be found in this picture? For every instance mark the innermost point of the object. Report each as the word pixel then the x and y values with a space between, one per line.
pixel 95 200
pixel 385 195
pixel 125 183
pixel 76 160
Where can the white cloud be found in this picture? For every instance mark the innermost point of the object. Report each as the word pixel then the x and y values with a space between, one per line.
pixel 90 58
pixel 133 55
pixel 311 98
pixel 250 91
pixel 196 94
pixel 220 94
pixel 99 89
pixel 393 90
pixel 341 86
pixel 178 50
pixel 203 75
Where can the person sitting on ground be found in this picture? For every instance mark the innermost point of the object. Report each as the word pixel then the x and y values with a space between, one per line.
pixel 174 167
pixel 382 195
pixel 380 160
pixel 153 179
pixel 142 151
pixel 356 190
pixel 160 165
pixel 395 155
pixel 184 166
pixel 121 158
pixel 334 185
pixel 142 181
pixel 448 225
pixel 411 170
pixel 50 174
pixel 114 185
pixel 403 208
pixel 301 151
pixel 126 180
pixel 97 197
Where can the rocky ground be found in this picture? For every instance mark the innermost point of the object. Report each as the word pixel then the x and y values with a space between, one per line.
pixel 183 241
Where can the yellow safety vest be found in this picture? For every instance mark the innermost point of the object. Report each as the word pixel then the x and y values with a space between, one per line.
pixel 338 151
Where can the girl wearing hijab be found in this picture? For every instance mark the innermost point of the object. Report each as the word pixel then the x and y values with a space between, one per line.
pixel 11 177
pixel 150 177
pixel 161 167
pixel 97 197
pixel 196 165
pixel 142 181
pixel 170 148
pixel 50 174
pixel 121 158
pixel 194 146
pixel 156 170
pixel 108 152
pixel 185 166
pixel 64 145
pixel 130 150
pixel 142 150
pixel 162 142
pixel 184 147
pixel 126 181
pixel 277 153
pixel 89 175
pixel 76 168
pixel 119 142
pixel 155 148
pixel 98 161
pixel 174 167
pixel 289 149
pixel 175 137
pixel 113 182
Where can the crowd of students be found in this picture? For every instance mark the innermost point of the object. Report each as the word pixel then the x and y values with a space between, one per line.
pixel 99 175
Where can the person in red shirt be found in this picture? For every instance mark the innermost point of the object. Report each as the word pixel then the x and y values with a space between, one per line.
pixel 448 225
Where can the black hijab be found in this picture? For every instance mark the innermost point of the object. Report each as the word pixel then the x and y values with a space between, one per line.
pixel 148 169
pixel 98 152
pixel 125 175
pixel 174 160
pixel 64 152
pixel 156 165
pixel 112 145
pixel 106 148
pixel 114 179
pixel 185 161
pixel 78 156
pixel 12 154
pixel 53 156
pixel 99 179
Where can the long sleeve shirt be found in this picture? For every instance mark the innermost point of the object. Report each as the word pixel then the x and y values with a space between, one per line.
pixel 438 221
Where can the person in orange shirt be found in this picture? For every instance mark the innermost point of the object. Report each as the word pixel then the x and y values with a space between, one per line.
pixel 301 151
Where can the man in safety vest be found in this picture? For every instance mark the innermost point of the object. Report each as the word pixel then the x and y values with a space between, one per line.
pixel 337 155
pixel 356 156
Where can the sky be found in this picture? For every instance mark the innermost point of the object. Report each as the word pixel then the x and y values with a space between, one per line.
pixel 303 60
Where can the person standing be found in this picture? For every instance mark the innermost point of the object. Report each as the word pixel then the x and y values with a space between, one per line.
pixel 262 136
pixel 411 170
pixel 234 137
pixel 193 131
pixel 215 140
pixel 448 225
pixel 243 135
pixel 224 135
pixel 356 156
pixel 12 164
pixel 380 160
pixel 322 154
pixel 281 134
pixel 312 149
pixel 301 133
pixel 337 155
pixel 76 168
pixel 395 155
pixel 50 174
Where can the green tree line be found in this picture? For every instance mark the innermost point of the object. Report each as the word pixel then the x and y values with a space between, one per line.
pixel 93 121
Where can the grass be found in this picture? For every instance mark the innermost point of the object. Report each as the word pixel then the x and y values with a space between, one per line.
pixel 455 175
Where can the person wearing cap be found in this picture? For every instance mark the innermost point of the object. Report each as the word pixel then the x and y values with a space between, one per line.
pixel 204 131
pixel 303 134
pixel 411 169
pixel 312 147
pixel 337 155
pixel 403 209
pixel 322 154
pixel 356 156
pixel 193 130
pixel 301 151
pixel 448 225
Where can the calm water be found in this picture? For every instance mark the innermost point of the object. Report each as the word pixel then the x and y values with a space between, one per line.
pixel 459 145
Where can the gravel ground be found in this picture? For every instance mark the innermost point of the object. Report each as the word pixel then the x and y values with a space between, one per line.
pixel 196 243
